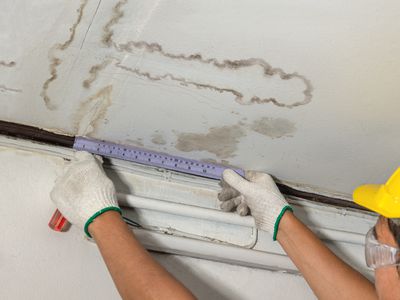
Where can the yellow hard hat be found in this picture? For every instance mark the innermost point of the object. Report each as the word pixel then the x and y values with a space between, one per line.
pixel 381 198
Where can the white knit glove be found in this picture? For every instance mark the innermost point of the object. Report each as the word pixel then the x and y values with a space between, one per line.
pixel 84 191
pixel 259 192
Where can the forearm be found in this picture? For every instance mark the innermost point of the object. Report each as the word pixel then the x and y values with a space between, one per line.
pixel 328 276
pixel 135 273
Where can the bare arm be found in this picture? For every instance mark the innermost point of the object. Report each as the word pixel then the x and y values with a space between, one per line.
pixel 328 276
pixel 135 273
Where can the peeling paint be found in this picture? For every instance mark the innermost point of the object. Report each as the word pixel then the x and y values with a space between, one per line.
pixel 94 71
pixel 92 111
pixel 116 16
pixel 274 127
pixel 221 141
pixel 158 139
pixel 267 69
pixel 7 64
pixel 55 61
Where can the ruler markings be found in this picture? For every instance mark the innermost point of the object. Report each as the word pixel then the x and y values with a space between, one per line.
pixel 152 158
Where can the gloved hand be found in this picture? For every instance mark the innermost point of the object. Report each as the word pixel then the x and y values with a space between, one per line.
pixel 84 192
pixel 260 193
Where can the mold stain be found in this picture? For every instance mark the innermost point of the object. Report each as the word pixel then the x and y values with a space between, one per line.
pixel 7 64
pixel 267 70
pixel 158 139
pixel 221 141
pixel 5 89
pixel 92 111
pixel 273 128
pixel 116 16
pixel 94 71
pixel 55 61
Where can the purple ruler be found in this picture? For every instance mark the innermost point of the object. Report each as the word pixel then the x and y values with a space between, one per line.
pixel 151 158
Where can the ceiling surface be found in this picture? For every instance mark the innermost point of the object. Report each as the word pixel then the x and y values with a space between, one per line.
pixel 307 91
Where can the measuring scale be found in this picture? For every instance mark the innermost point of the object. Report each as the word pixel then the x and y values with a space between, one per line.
pixel 145 157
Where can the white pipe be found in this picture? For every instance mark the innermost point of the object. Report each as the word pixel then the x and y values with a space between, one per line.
pixel 225 217
pixel 185 210
pixel 338 235
pixel 216 252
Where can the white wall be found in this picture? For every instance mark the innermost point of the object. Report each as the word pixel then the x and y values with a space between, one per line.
pixel 154 73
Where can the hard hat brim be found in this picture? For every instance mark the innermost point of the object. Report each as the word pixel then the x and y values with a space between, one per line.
pixel 371 195
pixel 365 195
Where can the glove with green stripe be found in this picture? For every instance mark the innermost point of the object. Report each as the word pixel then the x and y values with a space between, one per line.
pixel 84 191
pixel 259 192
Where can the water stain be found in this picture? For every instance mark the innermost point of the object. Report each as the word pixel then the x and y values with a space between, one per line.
pixel 7 64
pixel 138 142
pixel 94 71
pixel 222 162
pixel 221 141
pixel 5 89
pixel 92 111
pixel 227 64
pixel 210 161
pixel 267 70
pixel 273 127
pixel 158 139
pixel 116 16
pixel 55 61
pixel 183 81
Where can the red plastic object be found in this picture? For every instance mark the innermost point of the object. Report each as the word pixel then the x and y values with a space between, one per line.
pixel 58 222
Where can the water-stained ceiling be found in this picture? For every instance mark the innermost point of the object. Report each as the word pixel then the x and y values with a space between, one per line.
pixel 305 90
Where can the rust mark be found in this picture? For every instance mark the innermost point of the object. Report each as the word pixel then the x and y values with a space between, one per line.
pixel 94 72
pixel 92 111
pixel 55 61
pixel 221 141
pixel 5 89
pixel 7 64
pixel 268 71
pixel 116 16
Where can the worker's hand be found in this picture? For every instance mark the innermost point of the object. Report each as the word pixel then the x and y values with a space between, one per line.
pixel 84 192
pixel 259 192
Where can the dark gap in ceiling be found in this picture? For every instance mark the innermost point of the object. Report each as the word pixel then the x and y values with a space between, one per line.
pixel 44 136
